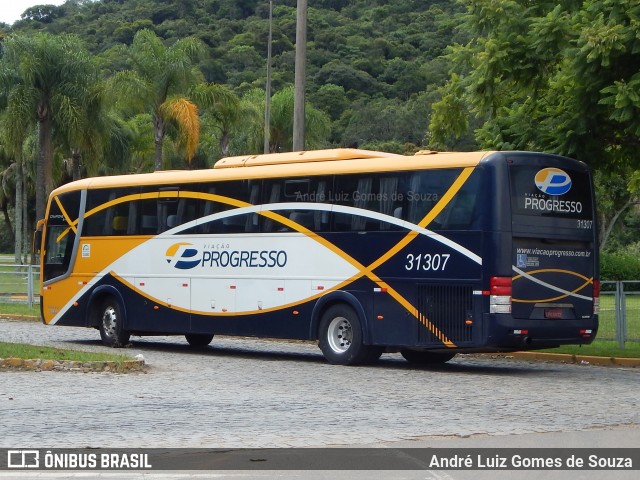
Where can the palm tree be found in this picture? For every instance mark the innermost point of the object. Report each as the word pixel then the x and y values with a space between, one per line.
pixel 14 149
pixel 222 109
pixel 317 123
pixel 47 81
pixel 6 172
pixel 158 83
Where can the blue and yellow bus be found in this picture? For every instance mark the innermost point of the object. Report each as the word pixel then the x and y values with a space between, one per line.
pixel 366 252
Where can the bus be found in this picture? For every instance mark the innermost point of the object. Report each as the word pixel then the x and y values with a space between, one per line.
pixel 364 252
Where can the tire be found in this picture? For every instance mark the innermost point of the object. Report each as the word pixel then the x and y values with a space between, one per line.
pixel 199 339
pixel 425 357
pixel 111 324
pixel 341 339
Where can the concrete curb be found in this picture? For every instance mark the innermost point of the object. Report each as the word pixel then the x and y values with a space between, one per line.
pixel 15 316
pixel 39 365
pixel 579 359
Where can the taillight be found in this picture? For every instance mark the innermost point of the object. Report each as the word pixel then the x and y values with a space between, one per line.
pixel 500 289
pixel 596 297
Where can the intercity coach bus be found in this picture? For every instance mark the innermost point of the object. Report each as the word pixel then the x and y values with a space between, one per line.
pixel 365 252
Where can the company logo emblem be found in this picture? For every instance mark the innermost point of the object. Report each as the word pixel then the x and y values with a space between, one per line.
pixel 553 181
pixel 182 255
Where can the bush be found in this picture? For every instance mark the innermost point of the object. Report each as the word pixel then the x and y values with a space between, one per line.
pixel 619 266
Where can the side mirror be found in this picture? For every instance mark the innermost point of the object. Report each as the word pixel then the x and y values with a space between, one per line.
pixel 37 238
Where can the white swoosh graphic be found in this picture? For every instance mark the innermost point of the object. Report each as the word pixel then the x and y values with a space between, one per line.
pixel 332 208
pixel 548 285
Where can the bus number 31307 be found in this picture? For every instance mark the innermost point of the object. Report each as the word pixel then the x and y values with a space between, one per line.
pixel 427 261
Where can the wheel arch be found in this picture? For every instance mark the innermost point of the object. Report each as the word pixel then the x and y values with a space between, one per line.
pixel 335 298
pixel 95 300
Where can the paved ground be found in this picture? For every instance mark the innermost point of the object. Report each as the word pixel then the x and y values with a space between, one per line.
pixel 256 393
pixel 253 393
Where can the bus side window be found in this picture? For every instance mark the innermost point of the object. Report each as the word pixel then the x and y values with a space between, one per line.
pixel 390 200
pixel 274 188
pixel 98 220
pixel 345 191
pixel 321 217
pixel 207 207
pixel 372 193
pixel 425 190
pixel 168 214
pixel 149 225
pixel 461 212
pixel 302 191
pixel 253 221
pixel 244 191
pixel 108 212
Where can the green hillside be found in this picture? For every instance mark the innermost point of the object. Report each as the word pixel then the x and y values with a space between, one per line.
pixel 365 57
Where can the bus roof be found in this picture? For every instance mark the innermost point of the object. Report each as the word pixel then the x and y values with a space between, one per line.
pixel 289 164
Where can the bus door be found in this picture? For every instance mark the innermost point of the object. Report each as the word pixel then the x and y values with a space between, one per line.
pixel 58 256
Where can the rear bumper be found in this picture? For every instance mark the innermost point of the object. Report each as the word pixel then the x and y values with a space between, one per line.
pixel 505 332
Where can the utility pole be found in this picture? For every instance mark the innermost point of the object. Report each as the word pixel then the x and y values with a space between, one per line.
pixel 267 101
pixel 301 55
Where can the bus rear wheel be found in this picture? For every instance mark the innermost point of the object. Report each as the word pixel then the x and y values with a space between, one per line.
pixel 341 339
pixel 199 339
pixel 111 325
pixel 425 357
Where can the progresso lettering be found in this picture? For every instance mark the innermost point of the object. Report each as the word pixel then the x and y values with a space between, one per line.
pixel 244 258
pixel 552 205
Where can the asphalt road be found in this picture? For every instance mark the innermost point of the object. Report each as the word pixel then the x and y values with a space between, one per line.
pixel 247 393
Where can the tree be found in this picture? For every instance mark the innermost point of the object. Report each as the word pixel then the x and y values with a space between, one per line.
pixel 6 172
pixel 560 77
pixel 42 13
pixel 222 108
pixel 159 82
pixel 613 192
pixel 317 123
pixel 16 147
pixel 47 81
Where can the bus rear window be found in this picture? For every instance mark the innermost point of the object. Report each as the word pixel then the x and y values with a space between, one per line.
pixel 550 192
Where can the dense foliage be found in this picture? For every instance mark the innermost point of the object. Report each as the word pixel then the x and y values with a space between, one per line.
pixel 561 77
pixel 619 266
pixel 181 83
pixel 363 55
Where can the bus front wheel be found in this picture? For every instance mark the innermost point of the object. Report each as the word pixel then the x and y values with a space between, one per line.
pixel 111 321
pixel 199 339
pixel 425 357
pixel 341 339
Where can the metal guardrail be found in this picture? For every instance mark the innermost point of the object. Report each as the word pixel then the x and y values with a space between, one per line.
pixel 619 301
pixel 19 284
pixel 620 311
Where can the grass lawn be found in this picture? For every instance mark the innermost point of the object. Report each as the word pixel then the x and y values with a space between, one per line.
pixel 19 309
pixel 600 348
pixel 19 350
